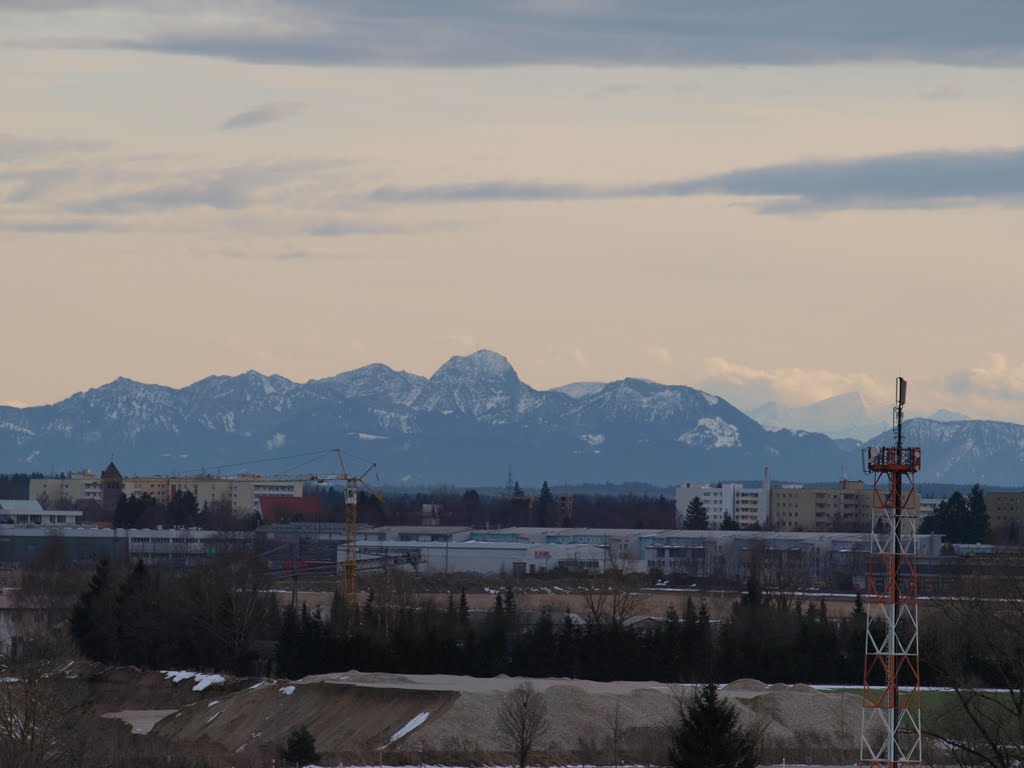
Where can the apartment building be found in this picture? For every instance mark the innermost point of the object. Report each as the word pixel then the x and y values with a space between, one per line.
pixel 846 507
pixel 54 492
pixel 241 493
pixel 747 506
pixel 1005 511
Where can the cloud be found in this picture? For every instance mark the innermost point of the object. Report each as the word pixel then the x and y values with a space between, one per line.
pixel 59 226
pixel 997 381
pixel 661 354
pixel 472 33
pixel 751 386
pixel 13 148
pixel 32 185
pixel 267 113
pixel 224 189
pixel 910 180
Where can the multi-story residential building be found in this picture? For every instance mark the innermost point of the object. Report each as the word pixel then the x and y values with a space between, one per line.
pixel 846 507
pixel 747 506
pixel 54 492
pixel 242 494
pixel 1005 512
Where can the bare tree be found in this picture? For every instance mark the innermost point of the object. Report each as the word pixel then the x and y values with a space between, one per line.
pixel 616 730
pixel 780 573
pixel 978 650
pixel 608 598
pixel 37 711
pixel 522 720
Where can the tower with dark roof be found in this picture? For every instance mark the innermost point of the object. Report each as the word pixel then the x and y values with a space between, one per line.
pixel 112 486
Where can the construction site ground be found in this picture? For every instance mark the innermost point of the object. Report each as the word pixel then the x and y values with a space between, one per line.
pixel 374 718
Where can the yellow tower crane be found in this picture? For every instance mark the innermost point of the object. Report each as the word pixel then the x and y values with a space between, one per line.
pixel 350 569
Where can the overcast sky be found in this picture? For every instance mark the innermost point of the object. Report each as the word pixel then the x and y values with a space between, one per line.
pixel 773 201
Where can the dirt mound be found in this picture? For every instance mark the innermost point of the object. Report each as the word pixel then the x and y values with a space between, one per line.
pixel 345 719
pixel 120 688
pixel 744 687
pixel 367 718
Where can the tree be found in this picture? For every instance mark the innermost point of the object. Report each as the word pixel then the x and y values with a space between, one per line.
pixel 522 720
pixel 183 509
pixel 93 618
pixel 707 734
pixel 301 748
pixel 978 651
pixel 730 523
pixel 696 518
pixel 545 504
pixel 960 519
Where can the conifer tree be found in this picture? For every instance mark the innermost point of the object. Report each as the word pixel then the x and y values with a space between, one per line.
pixel 94 620
pixel 708 734
pixel 301 748
pixel 696 518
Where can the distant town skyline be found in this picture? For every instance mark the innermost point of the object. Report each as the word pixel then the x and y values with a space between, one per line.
pixel 784 203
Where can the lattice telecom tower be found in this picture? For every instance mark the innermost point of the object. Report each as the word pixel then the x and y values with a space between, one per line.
pixel 891 716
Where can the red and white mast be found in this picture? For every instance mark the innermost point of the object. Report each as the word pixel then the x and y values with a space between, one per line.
pixel 891 716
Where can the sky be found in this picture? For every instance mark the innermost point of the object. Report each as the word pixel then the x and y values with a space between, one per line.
pixel 771 201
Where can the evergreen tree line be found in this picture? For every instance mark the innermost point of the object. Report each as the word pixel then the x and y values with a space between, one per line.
pixel 212 617
pixel 757 640
pixel 221 617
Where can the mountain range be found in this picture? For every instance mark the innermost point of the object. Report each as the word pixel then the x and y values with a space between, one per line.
pixel 466 425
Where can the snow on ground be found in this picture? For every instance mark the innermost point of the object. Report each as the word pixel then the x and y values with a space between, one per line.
pixel 141 720
pixel 712 433
pixel 203 681
pixel 287 690
pixel 412 725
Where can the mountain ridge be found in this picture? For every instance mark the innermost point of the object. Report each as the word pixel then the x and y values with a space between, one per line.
pixel 464 424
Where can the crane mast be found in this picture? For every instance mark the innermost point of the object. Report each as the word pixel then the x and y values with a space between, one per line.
pixel 350 567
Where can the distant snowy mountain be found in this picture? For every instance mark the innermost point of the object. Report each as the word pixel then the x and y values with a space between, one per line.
pixel 465 424
pixel 580 389
pixel 943 415
pixel 989 452
pixel 841 416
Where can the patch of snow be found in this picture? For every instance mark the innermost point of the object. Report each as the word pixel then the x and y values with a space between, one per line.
pixel 276 441
pixel 712 400
pixel 366 436
pixel 212 717
pixel 205 681
pixel 31 457
pixel 213 703
pixel 712 433
pixel 592 439
pixel 412 725
pixel 10 426
pixel 288 690
pixel 202 681
pixel 260 684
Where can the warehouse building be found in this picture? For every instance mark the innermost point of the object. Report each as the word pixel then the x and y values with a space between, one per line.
pixel 495 558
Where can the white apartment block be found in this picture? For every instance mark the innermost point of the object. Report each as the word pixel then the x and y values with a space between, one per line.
pixel 747 506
